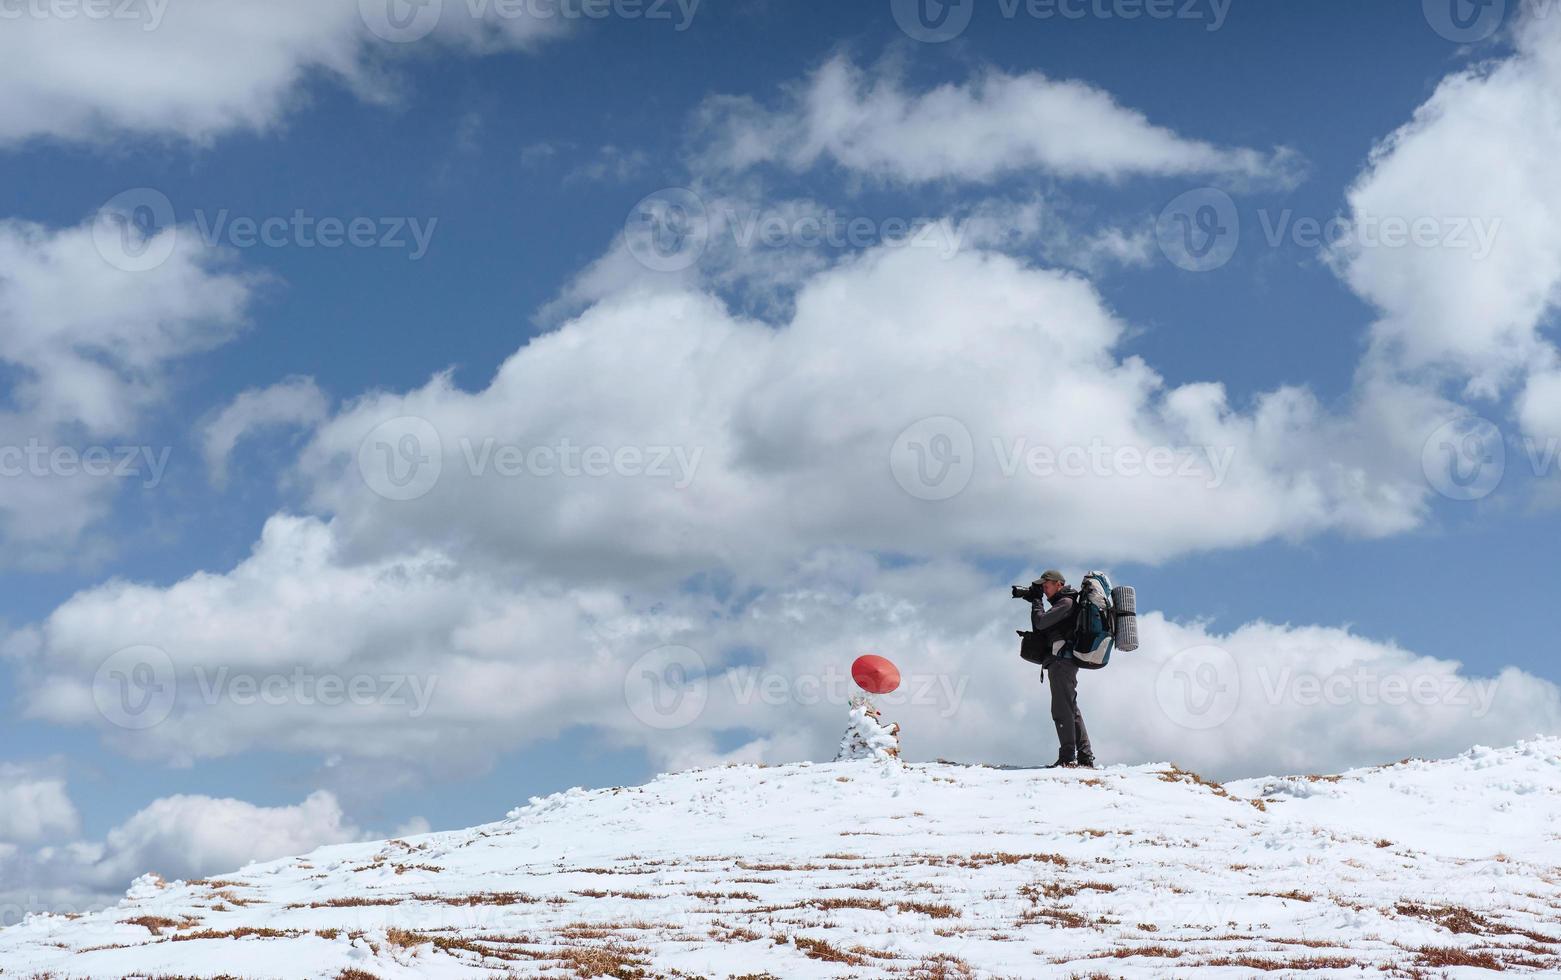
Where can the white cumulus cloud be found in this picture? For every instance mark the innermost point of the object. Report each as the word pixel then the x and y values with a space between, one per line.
pixel 196 69
pixel 752 445
pixel 296 402
pixel 174 837
pixel 1459 244
pixel 506 666
pixel 34 804
pixel 996 124
pixel 88 346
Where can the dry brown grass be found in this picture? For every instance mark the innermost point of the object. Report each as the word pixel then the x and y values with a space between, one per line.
pixel 988 859
pixel 1176 774
pixel 609 960
pixel 351 902
pixel 1250 962
pixel 734 896
pixel 1467 922
pixel 1294 895
pixel 829 904
pixel 407 939
pixel 1450 917
pixel 724 933
pixel 481 898
pixel 1054 890
pixel 612 960
pixel 1152 952
pixel 1441 957
pixel 941 967
pixel 599 893
pixel 156 923
pixel 1056 916
pixel 818 949
pixel 243 932
pixel 747 866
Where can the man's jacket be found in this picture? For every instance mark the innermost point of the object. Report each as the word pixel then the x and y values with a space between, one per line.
pixel 1054 627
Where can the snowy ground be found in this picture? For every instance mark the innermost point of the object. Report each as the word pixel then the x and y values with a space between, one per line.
pixel 867 869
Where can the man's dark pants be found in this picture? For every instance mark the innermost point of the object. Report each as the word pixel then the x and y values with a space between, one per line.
pixel 1072 738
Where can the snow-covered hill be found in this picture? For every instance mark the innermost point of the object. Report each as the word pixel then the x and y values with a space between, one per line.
pixel 878 870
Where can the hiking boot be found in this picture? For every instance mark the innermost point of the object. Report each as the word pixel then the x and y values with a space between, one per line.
pixel 1086 762
pixel 1063 764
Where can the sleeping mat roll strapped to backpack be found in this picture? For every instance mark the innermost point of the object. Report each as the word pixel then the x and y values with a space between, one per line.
pixel 1124 602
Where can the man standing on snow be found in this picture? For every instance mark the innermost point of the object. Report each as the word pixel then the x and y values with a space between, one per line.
pixel 1053 628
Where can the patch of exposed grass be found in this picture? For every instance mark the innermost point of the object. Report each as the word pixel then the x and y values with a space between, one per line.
pixel 1250 962
pixel 243 932
pixel 818 949
pixel 350 902
pixel 985 860
pixel 1056 916
pixel 1441 957
pixel 1467 922
pixel 942 967
pixel 871 904
pixel 724 933
pixel 1294 895
pixel 1450 917
pixel 1151 952
pixel 1176 774
pixel 734 896
pixel 154 923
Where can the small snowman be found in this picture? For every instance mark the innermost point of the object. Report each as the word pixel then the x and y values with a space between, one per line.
pixel 867 737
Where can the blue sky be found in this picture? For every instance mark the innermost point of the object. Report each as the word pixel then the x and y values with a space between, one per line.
pixel 525 155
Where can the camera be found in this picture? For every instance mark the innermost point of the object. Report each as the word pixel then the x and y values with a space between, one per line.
pixel 1027 593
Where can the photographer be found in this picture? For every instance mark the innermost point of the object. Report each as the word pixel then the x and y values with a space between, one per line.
pixel 1052 631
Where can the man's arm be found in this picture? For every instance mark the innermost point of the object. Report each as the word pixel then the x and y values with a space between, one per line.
pixel 1059 613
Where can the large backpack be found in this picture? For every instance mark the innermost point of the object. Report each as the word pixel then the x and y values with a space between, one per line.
pixel 1094 627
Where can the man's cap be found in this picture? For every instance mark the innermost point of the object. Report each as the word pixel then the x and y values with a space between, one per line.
pixel 1051 575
